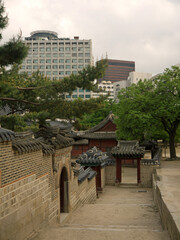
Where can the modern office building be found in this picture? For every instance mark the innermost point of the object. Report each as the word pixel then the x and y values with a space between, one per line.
pixel 56 57
pixel 133 78
pixel 118 70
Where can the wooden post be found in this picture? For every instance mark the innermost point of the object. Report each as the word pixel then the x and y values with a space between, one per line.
pixel 138 170
pixel 118 170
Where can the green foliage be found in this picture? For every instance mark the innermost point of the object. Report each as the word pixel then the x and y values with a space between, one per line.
pixel 89 120
pixel 13 51
pixel 3 18
pixel 150 109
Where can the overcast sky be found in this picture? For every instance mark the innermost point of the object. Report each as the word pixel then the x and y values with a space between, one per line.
pixel 144 31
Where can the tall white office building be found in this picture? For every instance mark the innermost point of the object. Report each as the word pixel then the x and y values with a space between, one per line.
pixel 56 57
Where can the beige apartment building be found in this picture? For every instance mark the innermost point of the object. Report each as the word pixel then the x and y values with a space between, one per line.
pixel 56 57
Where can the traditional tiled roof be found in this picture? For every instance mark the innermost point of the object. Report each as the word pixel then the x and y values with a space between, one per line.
pixel 55 137
pixel 87 173
pixel 81 142
pixel 95 157
pixel 110 117
pixel 25 146
pixel 99 135
pixel 128 149
pixel 6 135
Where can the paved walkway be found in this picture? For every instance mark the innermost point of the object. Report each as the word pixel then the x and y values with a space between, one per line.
pixel 119 213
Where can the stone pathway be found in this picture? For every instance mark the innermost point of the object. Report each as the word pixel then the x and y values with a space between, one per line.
pixel 118 214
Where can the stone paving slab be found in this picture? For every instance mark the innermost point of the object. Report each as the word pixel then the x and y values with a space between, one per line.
pixel 119 213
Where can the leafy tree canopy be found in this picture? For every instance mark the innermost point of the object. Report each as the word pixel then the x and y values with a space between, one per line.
pixel 151 109
pixel 89 120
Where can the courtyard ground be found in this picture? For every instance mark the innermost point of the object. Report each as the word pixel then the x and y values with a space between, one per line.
pixel 118 213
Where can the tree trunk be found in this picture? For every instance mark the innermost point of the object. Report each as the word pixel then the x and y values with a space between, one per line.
pixel 172 146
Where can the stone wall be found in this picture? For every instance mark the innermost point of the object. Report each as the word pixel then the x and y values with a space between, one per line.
pixel 110 175
pixel 166 213
pixel 81 193
pixel 146 175
pixel 103 177
pixel 30 190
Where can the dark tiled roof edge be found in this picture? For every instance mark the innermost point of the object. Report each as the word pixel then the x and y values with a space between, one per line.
pixel 110 117
pixel 6 135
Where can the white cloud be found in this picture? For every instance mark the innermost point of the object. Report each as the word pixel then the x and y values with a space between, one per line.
pixel 146 31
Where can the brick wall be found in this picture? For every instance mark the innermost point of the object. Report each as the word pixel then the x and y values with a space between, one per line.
pixel 29 190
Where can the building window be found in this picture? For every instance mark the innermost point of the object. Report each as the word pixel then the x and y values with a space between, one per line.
pixel 22 67
pixel 74 72
pixel 74 48
pixel 61 60
pixel 80 60
pixel 80 66
pixel 55 55
pixel 80 49
pixel 61 73
pixel 28 67
pixel 74 66
pixel 42 67
pixel 74 60
pixel 80 54
pixel 42 49
pixel 87 60
pixel 68 72
pixel 74 43
pixel 55 73
pixel 61 54
pixel 35 61
pixel 61 49
pixel 67 48
pixel 87 54
pixel 55 66
pixel 67 60
pixel 41 55
pixel 48 60
pixel 87 90
pixel 67 43
pixel 48 54
pixel 55 60
pixel 81 90
pixel 80 43
pixel 67 54
pixel 48 49
pixel 74 54
pixel 29 61
pixel 48 73
pixel 48 66
pixel 35 67
pixel 74 96
pixel 68 96
pixel 68 66
pixel 42 61
pixel 88 96
pixel 81 96
pixel 61 66
pixel 55 49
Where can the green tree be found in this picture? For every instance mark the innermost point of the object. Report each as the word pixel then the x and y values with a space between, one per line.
pixel 151 109
pixel 13 51
pixel 36 95
pixel 91 119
